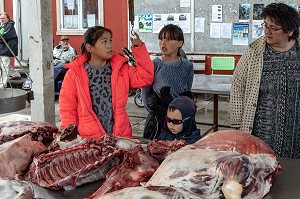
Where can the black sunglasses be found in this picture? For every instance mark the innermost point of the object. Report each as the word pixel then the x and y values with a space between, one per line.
pixel 176 122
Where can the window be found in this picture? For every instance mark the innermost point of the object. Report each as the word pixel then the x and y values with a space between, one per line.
pixel 1 5
pixel 78 15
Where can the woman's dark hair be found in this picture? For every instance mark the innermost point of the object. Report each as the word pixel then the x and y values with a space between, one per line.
pixel 91 36
pixel 285 16
pixel 173 31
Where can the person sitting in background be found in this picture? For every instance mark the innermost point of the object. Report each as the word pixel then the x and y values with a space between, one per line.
pixel 62 54
pixel 181 123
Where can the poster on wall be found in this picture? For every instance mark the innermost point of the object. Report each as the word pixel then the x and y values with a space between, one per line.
pixel 185 3
pixel 226 30
pixel 216 13
pixel 244 12
pixel 181 19
pixel 240 34
pixel 158 22
pixel 145 22
pixel 199 24
pixel 257 10
pixel 215 30
pixel 257 28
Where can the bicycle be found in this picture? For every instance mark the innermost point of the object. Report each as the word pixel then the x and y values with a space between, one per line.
pixel 138 98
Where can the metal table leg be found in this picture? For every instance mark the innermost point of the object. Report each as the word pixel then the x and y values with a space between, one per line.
pixel 216 107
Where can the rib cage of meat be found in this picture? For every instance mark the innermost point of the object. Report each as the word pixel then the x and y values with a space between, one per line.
pixel 41 131
pixel 228 164
pixel 75 165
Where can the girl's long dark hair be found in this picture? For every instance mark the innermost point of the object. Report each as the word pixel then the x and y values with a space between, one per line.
pixel 91 36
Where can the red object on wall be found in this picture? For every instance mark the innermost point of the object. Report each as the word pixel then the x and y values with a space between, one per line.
pixel 116 19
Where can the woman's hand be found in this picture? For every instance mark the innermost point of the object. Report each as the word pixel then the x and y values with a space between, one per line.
pixel 136 41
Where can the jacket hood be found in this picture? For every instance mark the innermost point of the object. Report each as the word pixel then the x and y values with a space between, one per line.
pixel 9 23
pixel 187 108
pixel 185 105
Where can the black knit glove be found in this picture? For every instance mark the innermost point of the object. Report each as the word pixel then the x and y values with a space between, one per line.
pixel 166 97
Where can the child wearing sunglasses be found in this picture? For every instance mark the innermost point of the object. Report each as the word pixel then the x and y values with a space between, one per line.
pixel 181 123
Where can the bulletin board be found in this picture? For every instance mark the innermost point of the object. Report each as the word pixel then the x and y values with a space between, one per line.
pixel 206 42
pixel 159 7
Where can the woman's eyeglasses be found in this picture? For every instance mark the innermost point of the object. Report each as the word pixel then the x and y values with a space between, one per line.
pixel 270 28
pixel 176 122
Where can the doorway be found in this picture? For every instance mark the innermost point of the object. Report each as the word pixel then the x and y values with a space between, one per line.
pixel 21 19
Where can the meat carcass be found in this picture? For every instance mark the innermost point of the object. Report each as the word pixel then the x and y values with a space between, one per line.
pixel 228 164
pixel 68 137
pixel 152 192
pixel 76 165
pixel 136 167
pixel 15 189
pixel 41 131
pixel 160 149
pixel 16 155
pixel 240 142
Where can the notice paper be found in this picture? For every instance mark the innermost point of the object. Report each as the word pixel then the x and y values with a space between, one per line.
pixel 185 3
pixel 216 13
pixel 226 30
pixel 199 24
pixel 215 30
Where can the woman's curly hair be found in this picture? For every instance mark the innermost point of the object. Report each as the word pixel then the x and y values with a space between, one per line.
pixel 285 16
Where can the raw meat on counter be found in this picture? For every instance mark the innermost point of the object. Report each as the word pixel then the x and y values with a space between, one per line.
pixel 66 138
pixel 41 131
pixel 16 155
pixel 228 164
pixel 78 164
pixel 136 167
pixel 151 192
pixel 15 189
pixel 233 140
pixel 160 149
